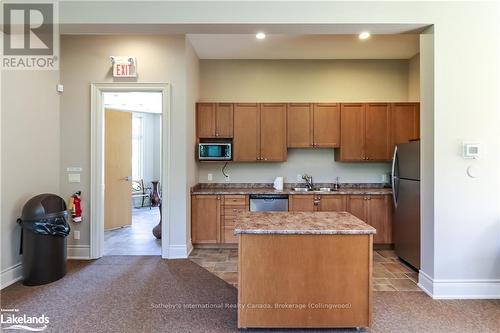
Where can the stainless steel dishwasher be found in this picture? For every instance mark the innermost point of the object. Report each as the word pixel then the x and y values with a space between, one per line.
pixel 268 202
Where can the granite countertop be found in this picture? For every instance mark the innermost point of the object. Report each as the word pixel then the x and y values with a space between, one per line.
pixel 303 223
pixel 269 190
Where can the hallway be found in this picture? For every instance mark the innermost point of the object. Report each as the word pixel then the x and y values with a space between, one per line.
pixel 136 239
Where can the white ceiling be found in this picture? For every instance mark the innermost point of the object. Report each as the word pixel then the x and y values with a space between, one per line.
pixel 279 46
pixel 149 102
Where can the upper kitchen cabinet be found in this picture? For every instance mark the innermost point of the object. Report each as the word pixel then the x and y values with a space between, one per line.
pixel 365 132
pixel 352 132
pixel 313 125
pixel 377 132
pixel 214 120
pixel 300 125
pixel 405 122
pixel 246 141
pixel 326 120
pixel 273 132
pixel 259 132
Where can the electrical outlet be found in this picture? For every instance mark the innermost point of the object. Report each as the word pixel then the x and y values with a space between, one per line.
pixel 227 178
pixel 299 178
pixel 76 234
pixel 210 177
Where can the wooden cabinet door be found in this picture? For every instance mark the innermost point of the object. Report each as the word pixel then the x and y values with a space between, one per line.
pixel 299 125
pixel 301 203
pixel 246 141
pixel 273 132
pixel 405 122
pixel 379 210
pixel 352 132
pixel 377 134
pixel 326 120
pixel 333 203
pixel 224 120
pixel 205 120
pixel 357 206
pixel 205 219
pixel 416 123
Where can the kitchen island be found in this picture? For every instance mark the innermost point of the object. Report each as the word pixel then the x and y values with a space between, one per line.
pixel 304 269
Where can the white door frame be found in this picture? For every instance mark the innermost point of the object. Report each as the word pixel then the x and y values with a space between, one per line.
pixel 97 160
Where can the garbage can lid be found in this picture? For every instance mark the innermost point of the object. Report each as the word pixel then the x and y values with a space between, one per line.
pixel 44 206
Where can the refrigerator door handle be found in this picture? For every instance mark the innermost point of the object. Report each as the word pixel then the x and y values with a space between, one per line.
pixel 393 177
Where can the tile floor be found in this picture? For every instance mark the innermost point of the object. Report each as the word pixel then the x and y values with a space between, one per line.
pixel 136 239
pixel 389 273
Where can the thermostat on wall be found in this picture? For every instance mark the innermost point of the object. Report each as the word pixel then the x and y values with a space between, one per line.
pixel 471 150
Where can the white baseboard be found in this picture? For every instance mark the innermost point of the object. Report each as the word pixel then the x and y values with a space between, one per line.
pixel 11 275
pixel 459 289
pixel 178 251
pixel 80 252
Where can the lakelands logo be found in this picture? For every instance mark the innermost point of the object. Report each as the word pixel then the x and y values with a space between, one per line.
pixel 10 319
pixel 31 35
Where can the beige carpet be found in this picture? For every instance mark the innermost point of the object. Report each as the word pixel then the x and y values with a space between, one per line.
pixel 148 294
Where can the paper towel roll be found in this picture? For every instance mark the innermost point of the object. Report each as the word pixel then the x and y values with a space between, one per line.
pixel 278 184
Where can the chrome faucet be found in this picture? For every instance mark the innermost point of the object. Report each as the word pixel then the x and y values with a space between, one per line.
pixel 336 185
pixel 309 181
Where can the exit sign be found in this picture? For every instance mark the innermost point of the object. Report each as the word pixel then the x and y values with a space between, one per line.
pixel 124 66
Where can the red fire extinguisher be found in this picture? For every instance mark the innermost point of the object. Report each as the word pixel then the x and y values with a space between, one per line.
pixel 75 207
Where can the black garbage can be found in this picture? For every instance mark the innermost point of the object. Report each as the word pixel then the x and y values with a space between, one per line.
pixel 43 239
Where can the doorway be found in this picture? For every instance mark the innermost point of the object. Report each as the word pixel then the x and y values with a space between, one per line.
pixel 130 169
pixel 132 164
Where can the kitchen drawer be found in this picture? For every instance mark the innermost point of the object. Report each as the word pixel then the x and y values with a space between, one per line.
pixel 235 200
pixel 234 210
pixel 229 236
pixel 229 221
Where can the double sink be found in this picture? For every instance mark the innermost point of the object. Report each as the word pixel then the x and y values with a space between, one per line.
pixel 314 189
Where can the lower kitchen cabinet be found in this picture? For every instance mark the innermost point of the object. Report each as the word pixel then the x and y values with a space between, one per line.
pixel 213 218
pixel 376 211
pixel 317 203
pixel 301 203
pixel 205 219
pixel 332 203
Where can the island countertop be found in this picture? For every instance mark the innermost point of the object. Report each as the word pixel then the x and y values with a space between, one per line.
pixel 304 223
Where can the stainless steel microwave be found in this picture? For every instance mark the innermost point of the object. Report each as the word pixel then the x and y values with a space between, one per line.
pixel 215 151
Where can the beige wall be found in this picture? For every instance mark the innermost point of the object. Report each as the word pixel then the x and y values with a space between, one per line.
pixel 192 95
pixel 30 145
pixel 299 81
pixel 304 80
pixel 85 59
pixel 414 79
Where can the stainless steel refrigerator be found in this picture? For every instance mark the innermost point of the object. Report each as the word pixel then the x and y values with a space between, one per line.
pixel 406 195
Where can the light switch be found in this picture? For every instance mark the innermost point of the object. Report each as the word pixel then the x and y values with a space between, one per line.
pixel 210 177
pixel 74 177
pixel 76 234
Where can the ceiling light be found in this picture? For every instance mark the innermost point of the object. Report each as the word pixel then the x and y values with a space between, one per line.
pixel 260 35
pixel 364 35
